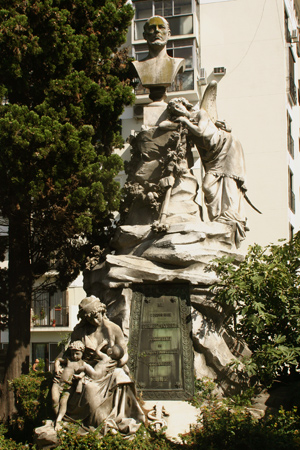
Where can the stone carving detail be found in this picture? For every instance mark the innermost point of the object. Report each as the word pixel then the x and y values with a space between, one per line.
pixel 160 187
pixel 157 416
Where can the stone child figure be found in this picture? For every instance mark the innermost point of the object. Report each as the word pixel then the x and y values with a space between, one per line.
pixel 75 368
pixel 158 70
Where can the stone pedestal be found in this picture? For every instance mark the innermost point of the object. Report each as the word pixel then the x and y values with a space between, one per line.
pixel 179 255
pixel 155 113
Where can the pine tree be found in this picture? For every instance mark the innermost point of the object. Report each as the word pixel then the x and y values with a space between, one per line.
pixel 63 85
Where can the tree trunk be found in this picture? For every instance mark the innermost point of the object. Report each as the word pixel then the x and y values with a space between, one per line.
pixel 20 289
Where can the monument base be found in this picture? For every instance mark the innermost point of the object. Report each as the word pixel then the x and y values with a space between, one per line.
pixel 180 255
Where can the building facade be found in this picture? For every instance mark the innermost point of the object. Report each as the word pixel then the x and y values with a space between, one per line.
pixel 252 50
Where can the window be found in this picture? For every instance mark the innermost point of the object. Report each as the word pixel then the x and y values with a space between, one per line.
pixel 290 140
pixel 286 27
pixel 46 352
pixel 291 231
pixel 50 310
pixel 291 80
pixel 291 191
pixel 177 12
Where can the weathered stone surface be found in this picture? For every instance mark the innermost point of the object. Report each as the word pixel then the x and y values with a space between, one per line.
pixel 155 113
pixel 180 254
pixel 45 437
pixel 202 370
pixel 126 269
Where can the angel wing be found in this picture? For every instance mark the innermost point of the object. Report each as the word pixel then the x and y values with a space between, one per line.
pixel 209 101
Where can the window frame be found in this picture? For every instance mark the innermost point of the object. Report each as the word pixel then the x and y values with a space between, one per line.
pixel 167 17
pixel 50 310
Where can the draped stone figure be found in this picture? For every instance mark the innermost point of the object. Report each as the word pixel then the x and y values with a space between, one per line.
pixel 222 156
pixel 108 398
pixel 91 383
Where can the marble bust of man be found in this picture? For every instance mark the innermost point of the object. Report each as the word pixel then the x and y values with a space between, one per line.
pixel 158 69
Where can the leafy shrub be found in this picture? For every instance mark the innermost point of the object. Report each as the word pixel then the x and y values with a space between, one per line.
pixel 145 439
pixel 33 402
pixel 8 443
pixel 223 428
pixel 262 299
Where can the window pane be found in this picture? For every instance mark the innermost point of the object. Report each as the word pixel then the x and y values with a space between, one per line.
pixel 182 7
pixel 140 55
pixel 183 82
pixel 140 90
pixel 139 29
pixel 41 309
pixel 39 351
pixel 181 25
pixel 187 80
pixel 158 8
pixel 167 8
pixel 187 54
pixel 143 10
pixel 58 310
pixel 54 351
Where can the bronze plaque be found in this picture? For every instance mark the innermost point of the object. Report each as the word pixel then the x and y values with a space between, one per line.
pixel 161 350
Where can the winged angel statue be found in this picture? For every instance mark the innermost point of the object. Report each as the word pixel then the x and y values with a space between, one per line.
pixel 221 153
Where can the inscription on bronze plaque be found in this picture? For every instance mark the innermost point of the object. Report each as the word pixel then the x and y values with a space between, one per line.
pixel 161 355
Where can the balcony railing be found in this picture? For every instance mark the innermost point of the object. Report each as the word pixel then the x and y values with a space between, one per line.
pixel 51 317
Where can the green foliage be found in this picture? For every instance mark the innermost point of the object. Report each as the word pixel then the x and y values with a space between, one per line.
pixel 64 84
pixel 33 402
pixel 205 391
pixel 223 428
pixel 222 425
pixel 261 298
pixel 9 443
pixel 145 439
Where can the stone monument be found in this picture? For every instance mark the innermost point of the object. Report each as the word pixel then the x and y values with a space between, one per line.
pixel 155 281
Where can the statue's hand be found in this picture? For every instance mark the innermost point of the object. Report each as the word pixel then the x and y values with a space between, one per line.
pixel 78 376
pixel 111 364
pixel 103 344
pixel 58 369
pixel 182 119
pixel 167 181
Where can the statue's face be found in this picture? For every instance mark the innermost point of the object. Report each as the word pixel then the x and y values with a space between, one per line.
pixel 156 32
pixel 97 318
pixel 179 109
pixel 76 355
